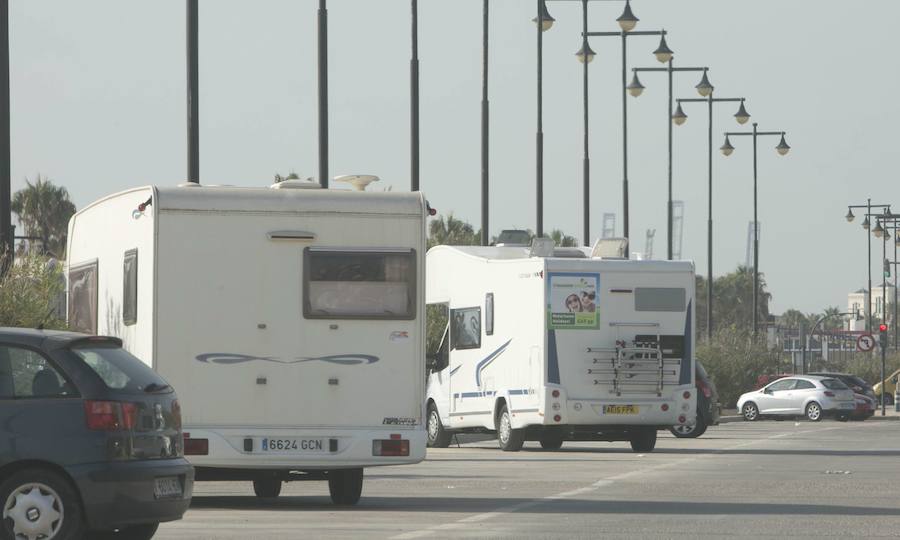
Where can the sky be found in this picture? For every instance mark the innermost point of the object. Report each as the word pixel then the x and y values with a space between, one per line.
pixel 98 105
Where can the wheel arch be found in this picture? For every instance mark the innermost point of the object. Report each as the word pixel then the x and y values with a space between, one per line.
pixel 7 470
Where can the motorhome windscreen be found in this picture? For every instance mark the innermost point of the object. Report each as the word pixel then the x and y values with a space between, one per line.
pixel 660 299
pixel 348 284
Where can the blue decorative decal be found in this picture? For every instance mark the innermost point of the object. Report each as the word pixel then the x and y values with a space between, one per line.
pixel 552 358
pixel 490 358
pixel 454 370
pixel 688 355
pixel 235 358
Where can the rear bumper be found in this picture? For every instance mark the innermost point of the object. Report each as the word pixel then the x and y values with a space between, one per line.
pixel 649 411
pixel 354 448
pixel 118 494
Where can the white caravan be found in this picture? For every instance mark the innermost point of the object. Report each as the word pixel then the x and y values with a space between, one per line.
pixel 289 321
pixel 557 348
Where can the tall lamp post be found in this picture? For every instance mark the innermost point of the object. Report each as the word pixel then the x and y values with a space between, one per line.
pixel 627 22
pixel 782 149
pixel 742 116
pixel 414 98
pixel 6 231
pixel 485 128
pixel 664 54
pixel 544 22
pixel 193 100
pixel 889 220
pixel 323 93
pixel 866 225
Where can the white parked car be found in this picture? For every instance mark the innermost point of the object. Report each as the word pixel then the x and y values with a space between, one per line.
pixel 804 395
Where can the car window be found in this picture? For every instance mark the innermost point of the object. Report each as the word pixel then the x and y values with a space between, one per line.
pixel 783 384
pixel 804 385
pixel 27 374
pixel 119 370
pixel 834 384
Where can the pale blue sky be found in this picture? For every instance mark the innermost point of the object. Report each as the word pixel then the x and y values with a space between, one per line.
pixel 98 101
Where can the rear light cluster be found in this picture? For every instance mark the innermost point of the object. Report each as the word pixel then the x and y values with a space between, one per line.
pixel 686 395
pixel 395 446
pixel 703 387
pixel 110 415
pixel 195 447
pixel 555 405
pixel 829 393
pixel 665 407
pixel 682 419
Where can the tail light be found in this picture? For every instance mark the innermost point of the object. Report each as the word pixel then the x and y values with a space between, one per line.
pixel 176 414
pixel 110 415
pixel 707 391
pixel 686 395
pixel 395 446
pixel 195 447
pixel 557 418
pixel 829 393
pixel 555 393
pixel 665 407
pixel 682 419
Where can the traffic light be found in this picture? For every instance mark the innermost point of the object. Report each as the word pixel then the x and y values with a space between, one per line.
pixel 887 268
pixel 883 335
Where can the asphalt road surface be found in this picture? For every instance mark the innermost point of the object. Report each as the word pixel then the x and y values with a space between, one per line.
pixel 755 480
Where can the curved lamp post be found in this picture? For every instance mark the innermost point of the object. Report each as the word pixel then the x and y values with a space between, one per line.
pixel 866 225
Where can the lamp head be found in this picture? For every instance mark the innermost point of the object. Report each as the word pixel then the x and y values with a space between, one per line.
pixel 726 148
pixel 849 217
pixel 635 88
pixel 865 223
pixel 545 19
pixel 783 147
pixel 663 53
pixel 585 53
pixel 627 21
pixel 742 116
pixel 704 88
pixel 678 116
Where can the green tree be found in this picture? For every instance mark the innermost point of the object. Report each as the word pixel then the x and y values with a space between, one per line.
pixel 292 176
pixel 732 301
pixel 451 231
pixel 31 293
pixel 734 361
pixel 44 210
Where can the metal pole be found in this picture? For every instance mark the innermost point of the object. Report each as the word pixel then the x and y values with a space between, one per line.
pixel 6 231
pixel 755 241
pixel 540 121
pixel 587 159
pixel 485 132
pixel 414 98
pixel 895 268
pixel 625 144
pixel 709 232
pixel 193 100
pixel 883 316
pixel 804 344
pixel 869 290
pixel 323 94
pixel 669 205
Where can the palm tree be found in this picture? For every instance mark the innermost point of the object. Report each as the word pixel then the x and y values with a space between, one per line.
pixel 453 232
pixel 44 210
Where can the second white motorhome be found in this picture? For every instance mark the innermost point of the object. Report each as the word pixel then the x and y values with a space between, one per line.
pixel 288 320
pixel 559 347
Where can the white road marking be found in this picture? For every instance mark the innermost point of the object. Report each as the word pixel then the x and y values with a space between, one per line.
pixel 478 518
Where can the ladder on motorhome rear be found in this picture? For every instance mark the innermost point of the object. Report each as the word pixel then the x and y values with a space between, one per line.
pixel 644 365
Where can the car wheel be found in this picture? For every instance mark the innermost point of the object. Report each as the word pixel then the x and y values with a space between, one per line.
pixel 437 435
pixel 750 412
pixel 267 488
pixel 134 532
pixel 38 503
pixel 643 441
pixel 509 439
pixel 813 412
pixel 550 441
pixel 345 486
pixel 690 431
pixel 843 418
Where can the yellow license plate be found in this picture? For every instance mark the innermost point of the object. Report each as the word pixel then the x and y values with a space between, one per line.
pixel 620 409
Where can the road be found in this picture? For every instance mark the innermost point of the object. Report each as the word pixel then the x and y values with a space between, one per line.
pixel 755 480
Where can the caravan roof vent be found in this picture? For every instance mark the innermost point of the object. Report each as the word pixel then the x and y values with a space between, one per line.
pixel 309 183
pixel 610 248
pixel 358 181
pixel 513 237
pixel 542 247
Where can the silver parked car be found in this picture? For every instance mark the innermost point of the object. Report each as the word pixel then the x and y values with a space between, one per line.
pixel 802 395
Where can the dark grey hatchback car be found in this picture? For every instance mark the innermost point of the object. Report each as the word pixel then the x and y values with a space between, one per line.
pixel 90 440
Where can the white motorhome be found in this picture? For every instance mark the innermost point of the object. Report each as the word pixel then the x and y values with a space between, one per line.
pixel 567 346
pixel 288 320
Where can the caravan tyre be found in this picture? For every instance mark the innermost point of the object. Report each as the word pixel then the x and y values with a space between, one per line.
pixel 510 440
pixel 643 441
pixel 267 488
pixel 345 486
pixel 551 442
pixel 437 435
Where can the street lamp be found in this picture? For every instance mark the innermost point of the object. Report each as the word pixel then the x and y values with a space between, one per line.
pixel 663 53
pixel 727 149
pixel 543 22
pixel 866 225
pixel 627 22
pixel 710 100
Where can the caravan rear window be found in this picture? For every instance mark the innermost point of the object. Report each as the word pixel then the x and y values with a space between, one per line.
pixel 660 299
pixel 348 284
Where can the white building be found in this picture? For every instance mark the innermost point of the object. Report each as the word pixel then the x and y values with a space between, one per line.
pixel 856 302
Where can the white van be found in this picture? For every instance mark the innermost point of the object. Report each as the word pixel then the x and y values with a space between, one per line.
pixel 563 347
pixel 287 319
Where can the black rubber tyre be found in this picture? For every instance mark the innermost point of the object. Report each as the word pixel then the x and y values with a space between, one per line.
pixel 813 411
pixel 438 437
pixel 135 532
pixel 843 418
pixel 690 431
pixel 551 441
pixel 509 439
pixel 51 495
pixel 345 486
pixel 267 488
pixel 643 441
pixel 750 412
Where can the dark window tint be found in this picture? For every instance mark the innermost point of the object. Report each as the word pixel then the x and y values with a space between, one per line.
pixel 119 370
pixel 83 298
pixel 465 328
pixel 783 384
pixel 359 284
pixel 804 385
pixel 834 384
pixel 489 314
pixel 129 295
pixel 27 374
pixel 660 299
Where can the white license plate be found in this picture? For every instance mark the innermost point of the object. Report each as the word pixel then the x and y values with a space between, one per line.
pixel 167 487
pixel 848 405
pixel 293 445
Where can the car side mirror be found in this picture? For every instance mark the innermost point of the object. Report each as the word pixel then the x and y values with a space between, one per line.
pixel 767 391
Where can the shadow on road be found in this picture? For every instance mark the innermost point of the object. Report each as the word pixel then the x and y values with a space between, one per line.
pixel 558 506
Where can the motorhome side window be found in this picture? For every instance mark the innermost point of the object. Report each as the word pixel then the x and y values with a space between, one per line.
pixel 129 295
pixel 83 298
pixel 489 314
pixel 660 299
pixel 465 328
pixel 347 284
